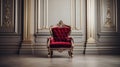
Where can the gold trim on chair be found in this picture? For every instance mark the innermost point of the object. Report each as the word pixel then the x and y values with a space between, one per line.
pixel 50 50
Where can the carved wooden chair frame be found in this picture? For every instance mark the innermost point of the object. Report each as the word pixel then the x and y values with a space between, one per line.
pixel 50 50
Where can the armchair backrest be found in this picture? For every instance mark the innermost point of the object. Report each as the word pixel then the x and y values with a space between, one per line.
pixel 61 33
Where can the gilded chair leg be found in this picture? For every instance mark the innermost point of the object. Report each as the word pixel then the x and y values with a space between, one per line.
pixel 70 53
pixel 49 53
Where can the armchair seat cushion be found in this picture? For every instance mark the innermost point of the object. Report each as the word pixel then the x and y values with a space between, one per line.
pixel 60 44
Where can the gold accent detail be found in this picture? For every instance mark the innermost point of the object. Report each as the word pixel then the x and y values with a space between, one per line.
pixel 108 22
pixel 7 18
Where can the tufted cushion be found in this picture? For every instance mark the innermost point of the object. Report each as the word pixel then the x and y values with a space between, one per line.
pixel 60 45
pixel 55 44
pixel 61 33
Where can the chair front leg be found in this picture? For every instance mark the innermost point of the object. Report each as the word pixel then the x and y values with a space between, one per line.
pixel 70 52
pixel 48 46
pixel 50 53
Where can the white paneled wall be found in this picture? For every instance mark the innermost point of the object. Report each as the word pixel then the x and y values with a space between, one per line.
pixel 50 12
pixel 87 19
pixel 59 10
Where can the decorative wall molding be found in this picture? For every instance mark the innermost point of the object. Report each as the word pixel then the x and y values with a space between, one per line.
pixel 108 22
pixel 16 17
pixel 28 37
pixel 12 23
pixel 27 17
pixel 38 5
pixel 76 10
pixel 73 13
pixel 10 34
pixel 107 27
pixel 91 11
pixel 0 12
pixel 7 16
pixel 108 7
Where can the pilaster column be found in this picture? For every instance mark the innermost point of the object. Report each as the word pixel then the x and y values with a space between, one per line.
pixel 45 26
pixel 72 15
pixel 27 46
pixel 27 16
pixel 91 21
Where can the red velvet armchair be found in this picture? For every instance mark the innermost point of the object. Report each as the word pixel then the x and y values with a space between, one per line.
pixel 60 39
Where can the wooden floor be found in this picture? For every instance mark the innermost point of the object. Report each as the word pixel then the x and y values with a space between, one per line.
pixel 59 61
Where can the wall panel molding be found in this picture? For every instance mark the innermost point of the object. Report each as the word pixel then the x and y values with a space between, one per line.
pixel 10 26
pixel 50 12
pixel 48 15
pixel 108 8
pixel 7 16
pixel 108 34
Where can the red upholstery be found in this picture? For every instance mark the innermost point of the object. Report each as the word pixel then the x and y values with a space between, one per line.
pixel 60 37
pixel 61 33
pixel 60 44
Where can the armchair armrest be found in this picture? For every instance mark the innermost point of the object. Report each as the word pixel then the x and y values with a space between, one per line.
pixel 71 40
pixel 49 39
